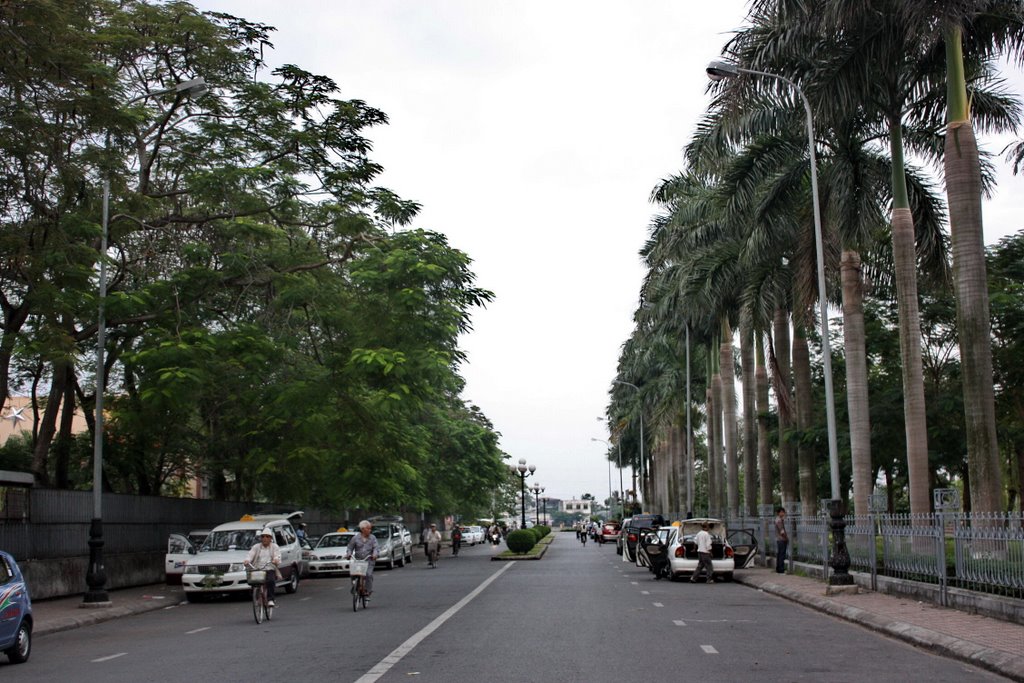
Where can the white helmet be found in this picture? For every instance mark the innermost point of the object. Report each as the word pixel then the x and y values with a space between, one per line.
pixel 267 532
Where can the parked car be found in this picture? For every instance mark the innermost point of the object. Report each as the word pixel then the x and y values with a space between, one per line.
pixel 725 557
pixel 180 547
pixel 329 554
pixel 394 543
pixel 637 525
pixel 471 535
pixel 307 557
pixel 609 532
pixel 15 611
pixel 219 568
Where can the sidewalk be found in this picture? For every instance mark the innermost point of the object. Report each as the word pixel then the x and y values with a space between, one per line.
pixel 991 644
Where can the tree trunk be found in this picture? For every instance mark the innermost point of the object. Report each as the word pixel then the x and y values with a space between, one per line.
pixel 65 437
pixel 764 452
pixel 14 319
pixel 787 468
pixel 804 412
pixel 48 422
pixel 729 426
pixel 905 259
pixel 749 421
pixel 854 340
pixel 970 283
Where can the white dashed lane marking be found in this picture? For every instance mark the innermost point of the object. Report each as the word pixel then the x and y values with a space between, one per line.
pixel 197 630
pixel 658 604
pixel 679 622
pixel 709 649
pixel 109 657
pixel 645 592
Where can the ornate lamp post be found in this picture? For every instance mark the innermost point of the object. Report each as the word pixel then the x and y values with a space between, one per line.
pixel 523 471
pixel 95 576
pixel 717 70
pixel 537 490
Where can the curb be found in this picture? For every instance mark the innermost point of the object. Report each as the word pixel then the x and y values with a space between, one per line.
pixel 98 615
pixel 996 661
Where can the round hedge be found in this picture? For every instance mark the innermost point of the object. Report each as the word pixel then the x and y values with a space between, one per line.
pixel 521 540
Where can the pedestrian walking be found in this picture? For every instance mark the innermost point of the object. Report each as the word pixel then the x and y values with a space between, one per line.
pixel 781 540
pixel 703 540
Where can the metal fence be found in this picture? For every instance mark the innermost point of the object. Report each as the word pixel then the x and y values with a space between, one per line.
pixel 56 523
pixel 974 551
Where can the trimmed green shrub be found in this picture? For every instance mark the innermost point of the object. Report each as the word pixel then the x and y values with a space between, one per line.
pixel 521 540
pixel 542 531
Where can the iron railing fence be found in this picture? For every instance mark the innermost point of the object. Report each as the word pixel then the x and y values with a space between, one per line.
pixel 982 552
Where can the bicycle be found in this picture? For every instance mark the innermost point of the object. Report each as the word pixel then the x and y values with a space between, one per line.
pixel 357 570
pixel 432 553
pixel 257 578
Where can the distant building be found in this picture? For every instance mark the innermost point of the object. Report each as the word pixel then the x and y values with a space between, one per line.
pixel 573 506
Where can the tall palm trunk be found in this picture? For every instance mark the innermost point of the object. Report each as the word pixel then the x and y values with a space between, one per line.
pixel 904 256
pixel 856 379
pixel 787 469
pixel 764 447
pixel 729 426
pixel 804 411
pixel 749 420
pixel 716 480
pixel 963 190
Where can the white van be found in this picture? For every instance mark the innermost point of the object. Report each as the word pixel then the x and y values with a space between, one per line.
pixel 218 567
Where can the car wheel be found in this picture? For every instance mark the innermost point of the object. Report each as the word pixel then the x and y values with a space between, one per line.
pixel 401 560
pixel 194 597
pixel 391 560
pixel 727 576
pixel 22 648
pixel 293 581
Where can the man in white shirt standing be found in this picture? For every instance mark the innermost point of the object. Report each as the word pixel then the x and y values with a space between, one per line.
pixel 703 540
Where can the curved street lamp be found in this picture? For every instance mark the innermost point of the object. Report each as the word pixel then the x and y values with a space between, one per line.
pixel 95 576
pixel 610 501
pixel 629 384
pixel 720 69
pixel 522 470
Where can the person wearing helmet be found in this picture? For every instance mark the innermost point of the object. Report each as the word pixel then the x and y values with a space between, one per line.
pixel 266 555
pixel 364 546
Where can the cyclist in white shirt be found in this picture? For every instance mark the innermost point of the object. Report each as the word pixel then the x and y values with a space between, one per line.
pixel 266 555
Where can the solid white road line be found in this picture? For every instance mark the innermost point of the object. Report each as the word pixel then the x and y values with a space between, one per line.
pixel 109 657
pixel 197 630
pixel 405 648
pixel 709 649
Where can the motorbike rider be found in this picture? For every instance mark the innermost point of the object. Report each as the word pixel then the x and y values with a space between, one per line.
pixel 456 539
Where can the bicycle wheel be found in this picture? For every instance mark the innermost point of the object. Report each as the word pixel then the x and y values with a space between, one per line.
pixel 362 598
pixel 267 609
pixel 257 604
pixel 355 594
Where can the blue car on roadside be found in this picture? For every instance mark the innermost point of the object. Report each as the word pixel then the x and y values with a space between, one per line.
pixel 15 611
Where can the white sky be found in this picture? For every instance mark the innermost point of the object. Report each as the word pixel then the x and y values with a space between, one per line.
pixel 532 132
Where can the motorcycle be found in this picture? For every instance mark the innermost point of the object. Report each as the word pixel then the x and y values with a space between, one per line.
pixel 495 538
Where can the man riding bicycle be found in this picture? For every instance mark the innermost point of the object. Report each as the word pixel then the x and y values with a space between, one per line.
pixel 433 544
pixel 364 546
pixel 266 555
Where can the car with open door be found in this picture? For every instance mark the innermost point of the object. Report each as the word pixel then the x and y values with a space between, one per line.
pixel 725 557
pixel 632 531
pixel 180 547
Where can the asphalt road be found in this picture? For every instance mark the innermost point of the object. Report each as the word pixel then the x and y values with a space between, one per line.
pixel 580 614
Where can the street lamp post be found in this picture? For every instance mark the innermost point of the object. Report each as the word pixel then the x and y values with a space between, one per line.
pixel 95 576
pixel 537 490
pixel 628 384
pixel 717 70
pixel 522 470
pixel 610 499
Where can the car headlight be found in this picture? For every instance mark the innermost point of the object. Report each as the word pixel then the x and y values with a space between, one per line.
pixel 190 568
pixel 236 567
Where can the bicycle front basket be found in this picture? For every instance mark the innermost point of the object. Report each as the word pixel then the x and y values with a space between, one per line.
pixel 256 577
pixel 358 567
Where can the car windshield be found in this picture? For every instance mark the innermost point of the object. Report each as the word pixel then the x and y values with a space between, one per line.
pixel 381 533
pixel 334 541
pixel 239 539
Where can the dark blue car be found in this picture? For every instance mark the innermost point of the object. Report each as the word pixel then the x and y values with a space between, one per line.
pixel 15 611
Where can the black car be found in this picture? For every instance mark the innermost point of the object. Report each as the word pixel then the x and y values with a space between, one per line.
pixel 632 529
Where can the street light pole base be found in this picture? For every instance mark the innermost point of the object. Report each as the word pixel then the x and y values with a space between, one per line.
pixel 840 561
pixel 96 576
